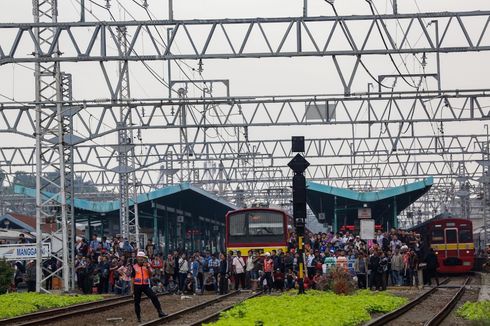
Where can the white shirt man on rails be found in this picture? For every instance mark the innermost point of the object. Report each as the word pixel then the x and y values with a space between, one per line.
pixel 239 269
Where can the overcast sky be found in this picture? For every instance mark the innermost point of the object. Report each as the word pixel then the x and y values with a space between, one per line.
pixel 275 76
pixel 285 76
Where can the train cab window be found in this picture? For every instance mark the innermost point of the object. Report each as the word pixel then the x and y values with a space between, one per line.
pixel 266 223
pixel 465 236
pixel 238 225
pixel 437 236
pixel 256 226
pixel 451 236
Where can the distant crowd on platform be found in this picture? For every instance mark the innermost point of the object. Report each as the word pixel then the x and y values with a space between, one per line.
pixel 392 258
pixel 104 265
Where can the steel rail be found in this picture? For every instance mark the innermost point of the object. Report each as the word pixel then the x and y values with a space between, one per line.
pixel 48 316
pixel 213 316
pixel 382 320
pixel 182 312
pixel 444 312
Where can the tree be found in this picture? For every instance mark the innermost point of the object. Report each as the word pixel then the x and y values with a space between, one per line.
pixel 6 275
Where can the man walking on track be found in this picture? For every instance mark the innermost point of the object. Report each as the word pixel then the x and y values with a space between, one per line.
pixel 431 268
pixel 141 284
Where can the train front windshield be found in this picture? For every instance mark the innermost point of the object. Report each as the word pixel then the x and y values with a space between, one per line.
pixel 256 227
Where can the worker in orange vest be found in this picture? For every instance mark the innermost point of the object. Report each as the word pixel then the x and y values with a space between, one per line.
pixel 141 284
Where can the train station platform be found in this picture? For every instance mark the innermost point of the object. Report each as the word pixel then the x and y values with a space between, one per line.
pixel 339 206
pixel 176 216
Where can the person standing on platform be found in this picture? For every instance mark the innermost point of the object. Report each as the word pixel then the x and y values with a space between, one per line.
pixel 141 284
pixel 223 274
pixel 31 276
pixel 361 268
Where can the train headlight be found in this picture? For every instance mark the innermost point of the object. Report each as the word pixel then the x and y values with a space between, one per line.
pixel 467 251
pixel 437 252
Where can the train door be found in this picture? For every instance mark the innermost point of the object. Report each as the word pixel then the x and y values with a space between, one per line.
pixel 451 236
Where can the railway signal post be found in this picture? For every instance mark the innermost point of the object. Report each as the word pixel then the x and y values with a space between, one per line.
pixel 299 164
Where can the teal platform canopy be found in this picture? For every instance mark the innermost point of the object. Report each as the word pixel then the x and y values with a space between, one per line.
pixel 182 214
pixel 340 206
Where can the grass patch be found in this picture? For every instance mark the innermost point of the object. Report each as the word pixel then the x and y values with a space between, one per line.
pixel 16 304
pixel 476 311
pixel 313 308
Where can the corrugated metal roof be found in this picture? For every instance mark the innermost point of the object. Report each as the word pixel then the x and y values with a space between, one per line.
pixel 110 206
pixel 345 203
pixel 371 196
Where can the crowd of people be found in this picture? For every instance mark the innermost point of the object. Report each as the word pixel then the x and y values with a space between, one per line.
pixel 105 265
pixel 392 258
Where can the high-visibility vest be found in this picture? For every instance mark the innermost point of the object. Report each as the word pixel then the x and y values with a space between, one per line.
pixel 268 265
pixel 142 275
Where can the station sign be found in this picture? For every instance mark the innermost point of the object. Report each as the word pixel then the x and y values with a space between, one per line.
pixel 364 213
pixel 23 251
pixel 367 229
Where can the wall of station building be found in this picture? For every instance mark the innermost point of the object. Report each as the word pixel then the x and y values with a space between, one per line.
pixel 170 230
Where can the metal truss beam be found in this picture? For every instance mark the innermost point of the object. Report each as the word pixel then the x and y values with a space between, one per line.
pixel 231 38
pixel 390 173
pixel 376 148
pixel 395 112
pixel 53 159
pixel 402 151
pixel 128 213
pixel 275 179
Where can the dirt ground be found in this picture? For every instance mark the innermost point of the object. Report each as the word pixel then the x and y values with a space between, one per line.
pixel 124 315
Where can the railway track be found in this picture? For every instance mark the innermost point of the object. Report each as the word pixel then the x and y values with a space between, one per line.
pixel 52 315
pixel 211 309
pixel 418 310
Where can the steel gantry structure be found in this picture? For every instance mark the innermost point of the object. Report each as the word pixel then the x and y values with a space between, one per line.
pixel 362 140
pixel 293 36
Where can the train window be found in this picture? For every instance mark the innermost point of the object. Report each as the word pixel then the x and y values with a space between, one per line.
pixel 238 225
pixel 265 223
pixel 451 236
pixel 437 236
pixel 465 236
pixel 256 226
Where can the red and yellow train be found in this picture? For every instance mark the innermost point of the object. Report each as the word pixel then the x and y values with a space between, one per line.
pixel 260 229
pixel 452 241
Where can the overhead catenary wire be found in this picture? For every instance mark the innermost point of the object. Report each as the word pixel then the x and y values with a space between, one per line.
pixel 330 2
pixel 155 75
pixel 150 14
pixel 371 6
pixel 148 68
pixel 391 58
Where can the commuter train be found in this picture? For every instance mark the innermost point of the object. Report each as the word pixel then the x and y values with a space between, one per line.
pixel 452 241
pixel 260 229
